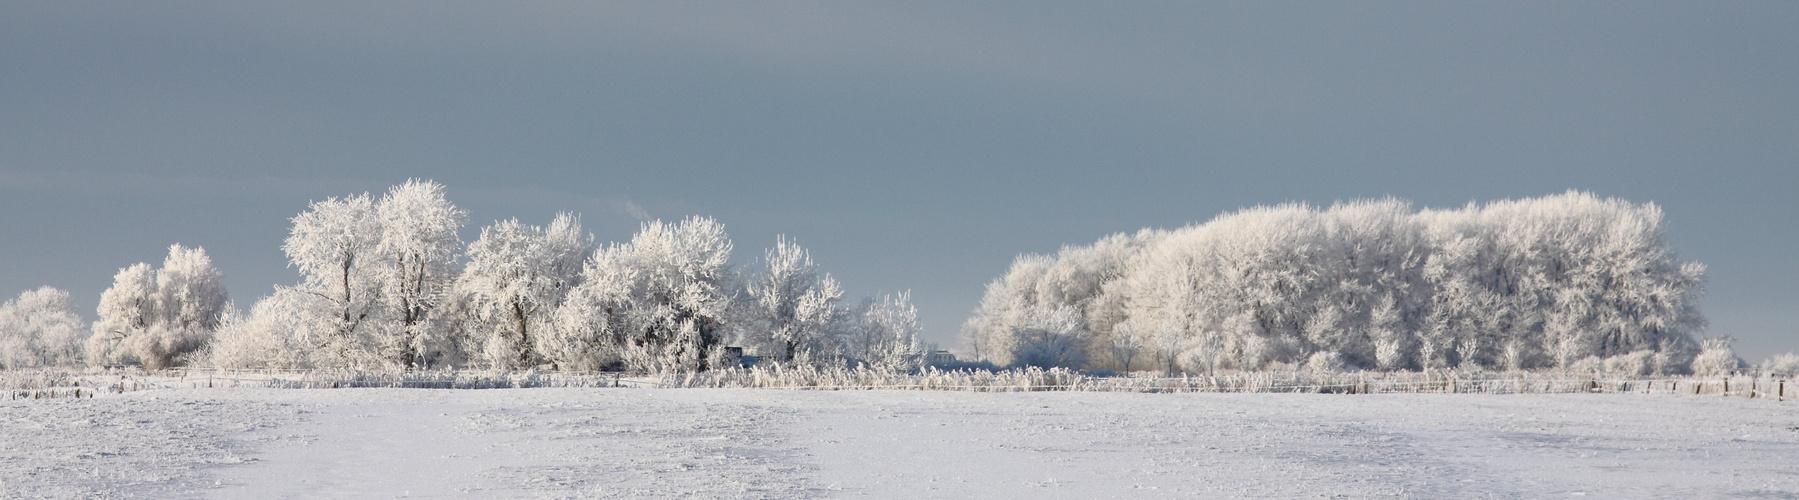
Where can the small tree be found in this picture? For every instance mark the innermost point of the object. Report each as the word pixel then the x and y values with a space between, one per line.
pixel 1055 338
pixel 278 333
pixel 38 329
pixel 797 307
pixel 1716 358
pixel 156 317
pixel 887 333
pixel 1124 345
pixel 1784 365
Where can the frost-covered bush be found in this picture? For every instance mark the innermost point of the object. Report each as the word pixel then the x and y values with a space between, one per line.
pixel 1784 365
pixel 38 329
pixel 1716 358
pixel 158 317
pixel 1587 366
pixel 279 333
pixel 1517 284
pixel 1636 363
pixel 1324 362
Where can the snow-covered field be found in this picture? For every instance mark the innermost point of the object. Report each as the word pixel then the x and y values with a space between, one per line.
pixel 724 443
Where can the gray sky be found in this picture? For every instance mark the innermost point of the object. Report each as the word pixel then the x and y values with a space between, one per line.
pixel 918 146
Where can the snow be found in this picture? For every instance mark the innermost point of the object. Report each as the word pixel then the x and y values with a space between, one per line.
pixel 750 443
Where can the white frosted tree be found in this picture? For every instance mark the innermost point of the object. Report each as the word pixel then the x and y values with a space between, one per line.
pixel 38 329
pixel 335 244
pixel 1516 284
pixel 127 310
pixel 1716 358
pixel 516 277
pixel 1007 306
pixel 418 248
pixel 1053 337
pixel 156 317
pixel 1783 365
pixel 886 333
pixel 654 304
pixel 795 307
pixel 1077 277
pixel 380 267
pixel 281 332
pixel 191 293
pixel 1125 346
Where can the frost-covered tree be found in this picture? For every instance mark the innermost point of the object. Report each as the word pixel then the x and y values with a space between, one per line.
pixel 1125 346
pixel 380 268
pixel 795 308
pixel 1075 277
pixel 156 317
pixel 657 303
pixel 1784 365
pixel 281 332
pixel 886 333
pixel 38 329
pixel 191 292
pixel 1716 358
pixel 516 277
pixel 417 250
pixel 128 309
pixel 1519 284
pixel 1053 337
pixel 335 244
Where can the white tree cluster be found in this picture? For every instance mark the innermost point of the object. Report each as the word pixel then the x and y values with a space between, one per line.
pixel 1523 284
pixel 386 283
pixel 38 329
pixel 159 317
pixel 374 273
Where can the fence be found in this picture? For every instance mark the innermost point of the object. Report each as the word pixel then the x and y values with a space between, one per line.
pixel 1032 379
pixel 41 384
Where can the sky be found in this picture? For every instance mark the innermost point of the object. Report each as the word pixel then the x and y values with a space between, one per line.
pixel 909 146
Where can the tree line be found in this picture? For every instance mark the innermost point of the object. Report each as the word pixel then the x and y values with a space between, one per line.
pixel 1562 281
pixel 1569 281
pixel 386 282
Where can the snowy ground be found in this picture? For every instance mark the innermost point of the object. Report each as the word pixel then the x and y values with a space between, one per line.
pixel 638 443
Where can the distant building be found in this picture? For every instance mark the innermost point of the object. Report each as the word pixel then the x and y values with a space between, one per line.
pixel 735 355
pixel 939 357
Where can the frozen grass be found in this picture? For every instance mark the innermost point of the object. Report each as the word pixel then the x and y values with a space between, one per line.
pixel 34 384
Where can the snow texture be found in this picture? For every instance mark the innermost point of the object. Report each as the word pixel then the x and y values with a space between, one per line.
pixel 736 443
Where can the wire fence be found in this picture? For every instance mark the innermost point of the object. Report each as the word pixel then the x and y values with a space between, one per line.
pixel 1032 379
pixel 57 384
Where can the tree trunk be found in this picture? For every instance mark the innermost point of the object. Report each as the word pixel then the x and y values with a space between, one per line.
pixel 519 316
